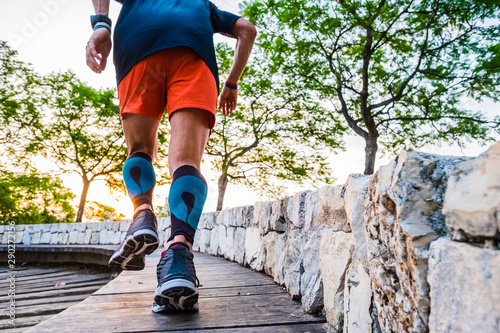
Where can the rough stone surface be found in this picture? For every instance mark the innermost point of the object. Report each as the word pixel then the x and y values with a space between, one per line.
pixel 356 188
pixel 311 284
pixel 291 262
pixel 403 215
pixel 334 259
pixel 45 238
pixel 35 238
pixel 465 288
pixel 357 300
pixel 472 203
pixel 94 239
pixel 262 216
pixel 253 253
pixel 296 209
pixel 239 245
pixel 325 208
pixel 207 220
pixel 73 237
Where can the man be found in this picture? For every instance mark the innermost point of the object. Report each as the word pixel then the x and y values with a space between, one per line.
pixel 165 59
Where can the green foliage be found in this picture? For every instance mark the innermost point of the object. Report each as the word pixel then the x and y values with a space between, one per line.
pixel 19 97
pixel 96 211
pixel 399 72
pixel 30 198
pixel 269 141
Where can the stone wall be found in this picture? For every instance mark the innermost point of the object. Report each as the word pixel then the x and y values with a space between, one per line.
pixel 412 248
pixel 76 233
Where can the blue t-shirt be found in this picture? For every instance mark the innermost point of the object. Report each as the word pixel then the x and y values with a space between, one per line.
pixel 147 26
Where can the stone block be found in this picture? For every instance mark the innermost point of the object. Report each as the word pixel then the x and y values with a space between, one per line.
pixel 65 238
pixel 54 238
pixel 356 188
pixel 73 237
pixel 37 227
pixel 54 227
pixel 229 250
pixel 45 227
pixel 296 209
pixel 239 245
pixel 101 226
pixel 311 283
pixel 202 241
pixel 116 226
pixel 291 261
pixel 325 208
pixel 63 227
pixel 125 224
pixel 403 216
pixel 262 215
pixel 358 310
pixel 35 238
pixel 334 259
pixel 2 229
pixel 214 242
pixel 269 253
pixel 19 237
pixel 103 237
pixel 465 288
pixel 279 216
pixel 94 239
pixel 88 235
pixel 45 237
pixel 253 245
pixel 207 220
pixel 472 201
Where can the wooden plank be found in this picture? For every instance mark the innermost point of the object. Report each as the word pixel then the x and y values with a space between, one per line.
pixel 68 280
pixel 51 300
pixel 290 328
pixel 58 292
pixel 215 313
pixel 97 284
pixel 40 310
pixel 25 323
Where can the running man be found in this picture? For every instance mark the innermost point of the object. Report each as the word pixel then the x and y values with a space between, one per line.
pixel 165 59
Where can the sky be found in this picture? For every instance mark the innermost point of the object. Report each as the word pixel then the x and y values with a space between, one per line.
pixel 52 35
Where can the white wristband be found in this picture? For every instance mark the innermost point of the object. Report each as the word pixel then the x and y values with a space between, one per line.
pixel 102 25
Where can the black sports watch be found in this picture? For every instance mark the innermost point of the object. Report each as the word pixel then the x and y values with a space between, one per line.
pixel 100 21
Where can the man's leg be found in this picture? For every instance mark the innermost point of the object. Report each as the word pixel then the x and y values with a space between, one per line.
pixel 177 282
pixel 189 135
pixel 142 238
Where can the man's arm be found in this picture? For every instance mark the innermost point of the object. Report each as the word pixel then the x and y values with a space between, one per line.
pixel 99 45
pixel 245 33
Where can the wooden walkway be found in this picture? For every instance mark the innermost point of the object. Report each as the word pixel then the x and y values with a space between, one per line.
pixel 232 299
pixel 43 291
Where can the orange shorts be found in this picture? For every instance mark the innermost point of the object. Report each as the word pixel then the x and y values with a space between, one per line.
pixel 174 79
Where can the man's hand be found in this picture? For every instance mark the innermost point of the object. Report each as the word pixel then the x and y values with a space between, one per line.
pixel 98 48
pixel 227 100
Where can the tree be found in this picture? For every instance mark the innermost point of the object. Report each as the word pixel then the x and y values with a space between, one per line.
pixel 19 97
pixel 268 141
pixel 96 211
pixel 398 72
pixel 80 131
pixel 31 198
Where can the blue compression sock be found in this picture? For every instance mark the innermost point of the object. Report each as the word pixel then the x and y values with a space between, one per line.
pixel 186 200
pixel 140 179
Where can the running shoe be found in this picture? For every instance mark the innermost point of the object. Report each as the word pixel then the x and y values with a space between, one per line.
pixel 141 239
pixel 177 282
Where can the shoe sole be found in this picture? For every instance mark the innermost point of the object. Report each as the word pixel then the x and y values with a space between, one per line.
pixel 176 295
pixel 130 254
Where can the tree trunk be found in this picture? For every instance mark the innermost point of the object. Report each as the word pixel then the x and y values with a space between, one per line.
pixel 83 199
pixel 371 148
pixel 222 190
